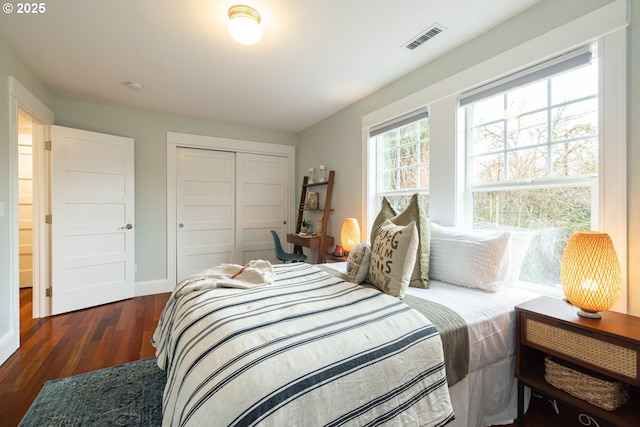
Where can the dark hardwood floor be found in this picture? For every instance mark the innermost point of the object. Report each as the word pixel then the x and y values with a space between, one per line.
pixel 73 343
pixel 99 337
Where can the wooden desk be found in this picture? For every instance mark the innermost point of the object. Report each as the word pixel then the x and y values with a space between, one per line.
pixel 311 242
pixel 334 258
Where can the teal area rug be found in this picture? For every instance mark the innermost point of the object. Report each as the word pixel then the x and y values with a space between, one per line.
pixel 124 395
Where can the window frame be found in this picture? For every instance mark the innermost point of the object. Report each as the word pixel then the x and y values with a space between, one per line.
pixel 395 125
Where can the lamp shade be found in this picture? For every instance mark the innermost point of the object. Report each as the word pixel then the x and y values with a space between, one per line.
pixel 350 234
pixel 244 24
pixel 590 273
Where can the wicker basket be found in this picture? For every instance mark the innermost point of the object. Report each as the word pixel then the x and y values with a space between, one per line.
pixel 603 393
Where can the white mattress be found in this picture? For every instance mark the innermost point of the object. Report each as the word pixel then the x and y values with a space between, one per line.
pixel 488 394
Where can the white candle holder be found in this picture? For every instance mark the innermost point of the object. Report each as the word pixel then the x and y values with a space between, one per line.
pixel 310 181
pixel 323 176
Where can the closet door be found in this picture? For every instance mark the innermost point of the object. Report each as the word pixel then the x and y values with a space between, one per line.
pixel 205 209
pixel 262 194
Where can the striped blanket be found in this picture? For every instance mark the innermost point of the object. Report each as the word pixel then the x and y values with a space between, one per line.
pixel 308 349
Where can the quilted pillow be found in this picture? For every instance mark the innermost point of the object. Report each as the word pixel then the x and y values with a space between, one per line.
pixel 392 256
pixel 358 263
pixel 469 258
pixel 415 212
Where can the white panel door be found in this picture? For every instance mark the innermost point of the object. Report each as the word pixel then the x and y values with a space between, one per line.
pixel 92 207
pixel 262 194
pixel 205 209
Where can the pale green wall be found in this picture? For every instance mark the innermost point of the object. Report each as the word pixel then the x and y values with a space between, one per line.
pixel 149 131
pixel 337 140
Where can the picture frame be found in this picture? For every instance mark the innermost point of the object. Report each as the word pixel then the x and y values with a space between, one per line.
pixel 313 200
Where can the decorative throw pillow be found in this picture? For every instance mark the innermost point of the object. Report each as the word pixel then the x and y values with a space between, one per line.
pixel 358 263
pixel 393 255
pixel 415 212
pixel 469 258
pixel 386 212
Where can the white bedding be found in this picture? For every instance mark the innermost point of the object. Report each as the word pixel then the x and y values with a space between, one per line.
pixel 307 349
pixel 488 394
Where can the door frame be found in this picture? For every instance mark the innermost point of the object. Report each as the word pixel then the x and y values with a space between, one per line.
pixel 184 140
pixel 21 97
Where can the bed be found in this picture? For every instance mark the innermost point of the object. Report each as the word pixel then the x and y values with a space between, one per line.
pixel 305 348
pixel 416 329
pixel 291 340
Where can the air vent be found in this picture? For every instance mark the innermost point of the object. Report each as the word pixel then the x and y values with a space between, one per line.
pixel 424 36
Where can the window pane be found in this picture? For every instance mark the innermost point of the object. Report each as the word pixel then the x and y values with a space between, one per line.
pixel 529 129
pixel 408 178
pixel 488 138
pixel 389 159
pixel 487 110
pixel 575 120
pixel 575 84
pixel 409 133
pixel 552 214
pixel 388 180
pixel 408 155
pixel 575 158
pixel 389 140
pixel 487 169
pixel 528 98
pixel 528 163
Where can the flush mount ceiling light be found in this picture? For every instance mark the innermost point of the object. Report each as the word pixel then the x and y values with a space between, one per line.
pixel 244 24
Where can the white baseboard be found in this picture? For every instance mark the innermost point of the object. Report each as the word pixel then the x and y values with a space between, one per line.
pixel 9 343
pixel 151 287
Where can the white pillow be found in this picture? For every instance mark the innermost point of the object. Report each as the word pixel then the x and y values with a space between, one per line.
pixel 469 258
pixel 358 263
pixel 393 256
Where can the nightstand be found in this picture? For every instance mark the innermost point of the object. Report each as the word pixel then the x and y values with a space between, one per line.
pixel 608 347
pixel 333 258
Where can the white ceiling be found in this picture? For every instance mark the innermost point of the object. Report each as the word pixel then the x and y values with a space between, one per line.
pixel 315 57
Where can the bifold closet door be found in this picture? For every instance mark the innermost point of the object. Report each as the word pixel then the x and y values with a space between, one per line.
pixel 205 209
pixel 262 200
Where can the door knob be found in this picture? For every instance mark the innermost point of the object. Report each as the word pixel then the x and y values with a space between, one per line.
pixel 180 225
pixel 127 227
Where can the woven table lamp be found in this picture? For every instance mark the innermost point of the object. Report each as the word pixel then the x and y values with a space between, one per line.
pixel 590 273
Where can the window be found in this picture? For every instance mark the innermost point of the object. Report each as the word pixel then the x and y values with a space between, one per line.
pixel 402 158
pixel 532 157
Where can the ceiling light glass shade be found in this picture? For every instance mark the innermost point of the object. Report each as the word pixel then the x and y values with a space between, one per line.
pixel 590 273
pixel 350 234
pixel 244 24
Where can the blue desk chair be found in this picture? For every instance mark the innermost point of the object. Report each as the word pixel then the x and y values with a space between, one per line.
pixel 285 256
